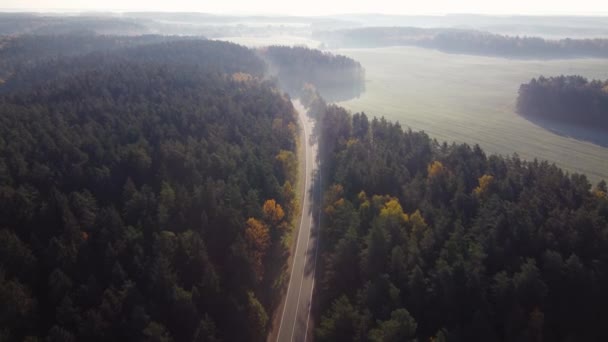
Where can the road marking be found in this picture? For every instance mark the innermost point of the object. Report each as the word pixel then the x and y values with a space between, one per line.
pixel 301 220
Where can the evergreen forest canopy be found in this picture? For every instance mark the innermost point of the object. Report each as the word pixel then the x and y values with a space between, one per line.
pixel 17 54
pixel 145 195
pixel 465 41
pixel 147 188
pixel 421 240
pixel 208 55
pixel 567 99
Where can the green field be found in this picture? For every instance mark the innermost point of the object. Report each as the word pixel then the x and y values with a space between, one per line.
pixel 471 99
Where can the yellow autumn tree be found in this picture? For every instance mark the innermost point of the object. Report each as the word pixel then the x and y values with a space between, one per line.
pixel 257 236
pixel 272 211
pixel 392 218
pixel 392 210
pixel 435 169
pixel 485 182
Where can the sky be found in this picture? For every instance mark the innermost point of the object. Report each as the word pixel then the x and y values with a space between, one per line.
pixel 322 7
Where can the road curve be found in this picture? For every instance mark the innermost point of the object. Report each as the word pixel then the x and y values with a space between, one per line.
pixel 295 316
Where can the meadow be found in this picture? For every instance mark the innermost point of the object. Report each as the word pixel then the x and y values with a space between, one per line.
pixel 471 99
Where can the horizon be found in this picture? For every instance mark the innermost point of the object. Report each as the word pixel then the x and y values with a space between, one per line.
pixel 278 14
pixel 318 8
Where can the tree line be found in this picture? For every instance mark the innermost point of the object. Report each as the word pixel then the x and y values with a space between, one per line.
pixel 41 24
pixel 423 240
pixel 568 99
pixel 466 41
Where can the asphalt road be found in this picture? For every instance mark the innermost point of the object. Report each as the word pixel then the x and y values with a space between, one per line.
pixel 295 318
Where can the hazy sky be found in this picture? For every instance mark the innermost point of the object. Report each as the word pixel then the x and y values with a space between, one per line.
pixel 320 7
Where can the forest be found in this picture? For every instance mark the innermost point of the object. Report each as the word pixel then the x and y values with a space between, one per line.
pixel 31 48
pixel 566 99
pixel 428 241
pixel 466 42
pixel 146 194
pixel 41 24
pixel 32 59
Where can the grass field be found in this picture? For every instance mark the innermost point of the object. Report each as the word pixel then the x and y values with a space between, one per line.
pixel 471 99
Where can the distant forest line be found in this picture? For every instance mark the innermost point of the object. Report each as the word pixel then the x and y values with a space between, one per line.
pixel 464 41
pixel 488 35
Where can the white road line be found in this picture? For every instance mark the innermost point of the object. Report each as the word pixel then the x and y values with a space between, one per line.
pixel 301 220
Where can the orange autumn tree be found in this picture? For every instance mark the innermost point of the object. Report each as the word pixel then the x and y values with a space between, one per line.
pixel 272 211
pixel 257 236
